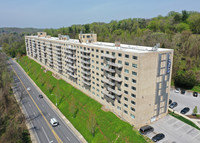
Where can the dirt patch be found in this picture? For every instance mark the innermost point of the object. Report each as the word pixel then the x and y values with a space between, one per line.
pixel 193 117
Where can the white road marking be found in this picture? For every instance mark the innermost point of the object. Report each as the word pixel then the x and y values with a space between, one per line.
pixel 68 138
pixel 34 113
pixel 45 134
pixel 49 114
pixel 29 104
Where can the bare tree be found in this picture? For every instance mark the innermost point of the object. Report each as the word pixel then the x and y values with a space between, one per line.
pixel 91 124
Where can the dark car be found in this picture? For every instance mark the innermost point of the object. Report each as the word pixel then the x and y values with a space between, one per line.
pixel 185 110
pixel 158 137
pixel 195 94
pixel 182 91
pixel 40 96
pixel 173 105
pixel 170 101
pixel 146 129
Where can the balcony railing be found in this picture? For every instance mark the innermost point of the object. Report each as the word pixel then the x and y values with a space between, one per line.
pixel 85 72
pixel 71 48
pixel 85 62
pixel 108 69
pixel 85 56
pixel 85 77
pixel 69 61
pixel 114 64
pixel 108 56
pixel 69 52
pixel 108 82
pixel 85 67
pixel 74 76
pixel 87 83
pixel 70 70
pixel 114 91
pixel 71 57
pixel 73 67
pixel 114 78
pixel 109 95
pixel 85 51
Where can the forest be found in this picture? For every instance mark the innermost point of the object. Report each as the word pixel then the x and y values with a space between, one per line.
pixel 178 30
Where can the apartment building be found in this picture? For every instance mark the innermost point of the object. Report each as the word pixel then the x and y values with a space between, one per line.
pixel 131 81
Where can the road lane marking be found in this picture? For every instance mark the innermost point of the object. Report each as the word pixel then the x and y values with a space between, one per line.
pixel 29 104
pixel 49 114
pixel 55 134
pixel 45 134
pixel 68 138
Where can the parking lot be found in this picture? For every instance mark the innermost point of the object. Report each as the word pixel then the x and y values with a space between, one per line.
pixel 175 131
pixel 185 100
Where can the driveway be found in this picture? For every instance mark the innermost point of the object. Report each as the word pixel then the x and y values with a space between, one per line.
pixel 175 131
pixel 186 100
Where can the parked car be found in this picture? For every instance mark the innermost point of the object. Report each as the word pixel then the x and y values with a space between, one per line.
pixel 40 95
pixel 29 89
pixel 173 105
pixel 195 94
pixel 158 137
pixel 185 110
pixel 177 90
pixel 146 129
pixel 182 91
pixel 170 101
pixel 54 122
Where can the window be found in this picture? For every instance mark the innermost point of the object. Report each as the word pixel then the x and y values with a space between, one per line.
pixel 126 78
pixel 92 61
pixel 134 73
pixel 101 51
pixel 125 98
pixel 126 85
pixel 113 54
pixel 133 80
pixel 119 101
pixel 132 116
pixel 92 49
pixel 107 52
pixel 119 62
pixel 126 71
pixel 97 56
pixel 134 65
pixel 97 68
pixel 133 102
pixel 97 50
pixel 92 66
pixel 125 112
pixel 135 57
pixel 126 105
pixel 97 62
pixel 134 88
pixel 119 108
pixel 126 92
pixel 126 56
pixel 133 109
pixel 119 54
pixel 133 95
pixel 126 63
pixel 102 64
pixel 92 55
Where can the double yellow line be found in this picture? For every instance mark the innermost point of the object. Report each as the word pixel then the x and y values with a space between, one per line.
pixel 56 136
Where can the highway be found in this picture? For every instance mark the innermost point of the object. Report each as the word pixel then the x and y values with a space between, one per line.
pixel 39 112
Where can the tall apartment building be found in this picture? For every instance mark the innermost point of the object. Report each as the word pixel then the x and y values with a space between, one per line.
pixel 132 81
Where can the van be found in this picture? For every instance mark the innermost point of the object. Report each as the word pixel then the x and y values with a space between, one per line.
pixel 146 129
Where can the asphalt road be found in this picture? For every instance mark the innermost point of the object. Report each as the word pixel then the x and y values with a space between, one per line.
pixel 185 100
pixel 39 112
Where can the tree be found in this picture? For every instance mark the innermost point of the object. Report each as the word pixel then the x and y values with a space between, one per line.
pixel 185 15
pixel 182 27
pixel 194 22
pixel 92 123
pixel 73 108
pixel 195 110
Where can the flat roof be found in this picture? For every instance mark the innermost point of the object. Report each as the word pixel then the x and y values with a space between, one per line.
pixel 106 45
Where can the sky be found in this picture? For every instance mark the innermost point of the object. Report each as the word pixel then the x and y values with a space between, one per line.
pixel 63 13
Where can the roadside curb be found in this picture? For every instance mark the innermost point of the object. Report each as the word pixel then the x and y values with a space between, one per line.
pixel 32 134
pixel 74 131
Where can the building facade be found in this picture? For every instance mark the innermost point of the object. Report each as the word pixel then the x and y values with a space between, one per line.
pixel 131 81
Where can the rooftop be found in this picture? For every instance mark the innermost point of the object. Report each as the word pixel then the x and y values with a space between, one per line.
pixel 106 45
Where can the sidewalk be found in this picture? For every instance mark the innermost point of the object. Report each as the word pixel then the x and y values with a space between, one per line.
pixel 74 131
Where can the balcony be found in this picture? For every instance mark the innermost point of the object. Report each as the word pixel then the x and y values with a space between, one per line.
pixel 85 77
pixel 114 91
pixel 85 72
pixel 74 76
pixel 108 56
pixel 85 67
pixel 85 62
pixel 71 57
pixel 59 63
pixel 73 67
pixel 85 51
pixel 114 78
pixel 109 95
pixel 108 69
pixel 71 48
pixel 113 64
pixel 70 70
pixel 85 56
pixel 87 83
pixel 68 61
pixel 108 82
pixel 60 67
pixel 68 52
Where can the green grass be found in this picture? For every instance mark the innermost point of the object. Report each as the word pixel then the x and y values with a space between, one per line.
pixel 184 120
pixel 109 127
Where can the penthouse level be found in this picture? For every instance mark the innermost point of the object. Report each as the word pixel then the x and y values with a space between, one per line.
pixel 131 81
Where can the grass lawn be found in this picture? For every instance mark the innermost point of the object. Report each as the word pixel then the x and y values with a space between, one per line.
pixel 184 120
pixel 80 109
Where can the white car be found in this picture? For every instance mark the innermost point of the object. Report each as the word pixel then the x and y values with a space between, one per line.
pixel 29 89
pixel 177 90
pixel 54 122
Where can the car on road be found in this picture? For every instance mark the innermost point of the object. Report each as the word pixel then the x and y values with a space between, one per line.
pixel 173 105
pixel 40 95
pixel 146 129
pixel 29 89
pixel 170 101
pixel 185 110
pixel 158 137
pixel 177 90
pixel 54 122
pixel 195 94
pixel 182 91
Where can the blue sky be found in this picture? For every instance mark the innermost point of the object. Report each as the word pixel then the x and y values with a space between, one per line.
pixel 59 13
